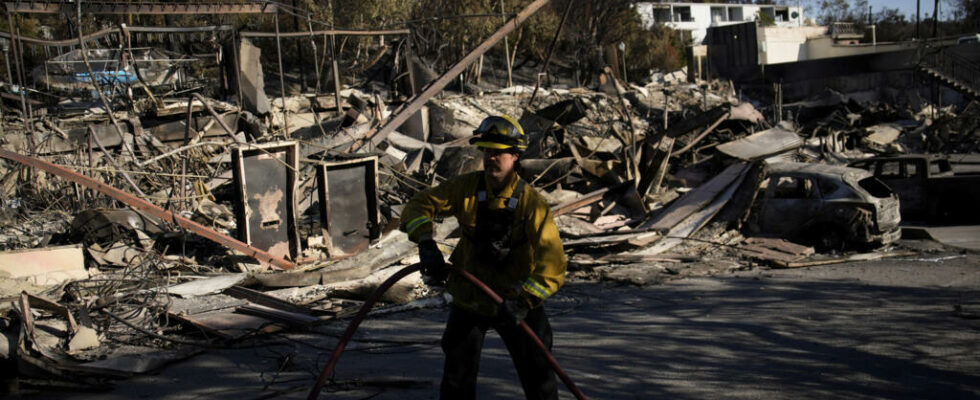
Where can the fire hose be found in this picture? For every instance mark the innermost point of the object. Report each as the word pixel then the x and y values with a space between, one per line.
pixel 387 284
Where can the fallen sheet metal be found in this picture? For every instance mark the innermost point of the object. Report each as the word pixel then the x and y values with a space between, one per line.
pixel 111 225
pixel 252 83
pixel 694 222
pixel 202 287
pixel 348 194
pixel 690 203
pixel 45 266
pixel 265 181
pixel 762 144
pixel 882 134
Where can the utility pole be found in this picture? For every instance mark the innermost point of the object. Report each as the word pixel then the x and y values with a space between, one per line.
pixel 918 9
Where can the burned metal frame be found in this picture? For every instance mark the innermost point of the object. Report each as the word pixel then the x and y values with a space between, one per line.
pixel 171 8
pixel 149 208
pixel 265 179
pixel 354 184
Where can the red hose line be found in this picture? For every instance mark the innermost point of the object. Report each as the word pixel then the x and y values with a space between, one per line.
pixel 397 276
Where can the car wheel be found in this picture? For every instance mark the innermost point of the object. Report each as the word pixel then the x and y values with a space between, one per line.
pixel 827 238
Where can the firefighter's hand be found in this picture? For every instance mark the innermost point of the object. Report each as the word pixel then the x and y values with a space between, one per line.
pixel 513 311
pixel 433 265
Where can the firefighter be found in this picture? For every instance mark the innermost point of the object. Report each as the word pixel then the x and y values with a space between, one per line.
pixel 510 242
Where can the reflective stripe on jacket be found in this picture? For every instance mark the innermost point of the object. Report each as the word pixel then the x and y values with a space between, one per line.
pixel 536 264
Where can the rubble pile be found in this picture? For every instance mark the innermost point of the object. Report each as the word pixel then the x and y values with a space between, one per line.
pixel 142 234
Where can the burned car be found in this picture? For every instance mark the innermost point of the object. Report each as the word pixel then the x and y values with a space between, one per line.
pixel 830 207
pixel 928 186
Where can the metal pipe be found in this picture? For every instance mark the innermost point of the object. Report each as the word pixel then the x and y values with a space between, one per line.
pixel 91 133
pixel 551 50
pixel 95 84
pixel 510 72
pixel 23 101
pixel 136 69
pixel 183 160
pixel 215 115
pixel 282 82
pixel 299 52
pixel 335 65
pixel 316 60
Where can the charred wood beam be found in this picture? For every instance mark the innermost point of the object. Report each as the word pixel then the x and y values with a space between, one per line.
pixel 149 208
pixel 587 199
pixel 658 149
pixel 703 134
pixel 408 109
pixel 654 164
pixel 141 8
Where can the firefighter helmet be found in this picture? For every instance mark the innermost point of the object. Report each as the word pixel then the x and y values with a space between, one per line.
pixel 499 132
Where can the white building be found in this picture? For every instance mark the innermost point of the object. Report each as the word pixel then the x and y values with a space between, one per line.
pixel 697 17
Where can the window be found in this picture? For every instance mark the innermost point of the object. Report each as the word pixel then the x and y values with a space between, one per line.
pixel 782 15
pixel 768 11
pixel 875 187
pixel 890 169
pixel 682 14
pixel 735 14
pixel 661 14
pixel 911 169
pixel 937 167
pixel 827 187
pixel 789 187
pixel 718 14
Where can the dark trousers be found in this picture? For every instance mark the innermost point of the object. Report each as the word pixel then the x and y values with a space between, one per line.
pixel 462 343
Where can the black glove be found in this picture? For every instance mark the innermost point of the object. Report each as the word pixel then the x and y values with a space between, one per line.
pixel 434 270
pixel 512 311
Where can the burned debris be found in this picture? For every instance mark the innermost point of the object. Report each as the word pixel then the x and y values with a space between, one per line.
pixel 166 191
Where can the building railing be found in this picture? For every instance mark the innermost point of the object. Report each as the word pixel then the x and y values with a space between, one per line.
pixel 845 30
pixel 954 67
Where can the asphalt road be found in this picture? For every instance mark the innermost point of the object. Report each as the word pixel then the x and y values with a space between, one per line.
pixel 897 328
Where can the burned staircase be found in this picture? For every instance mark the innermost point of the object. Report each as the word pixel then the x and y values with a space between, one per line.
pixel 953 70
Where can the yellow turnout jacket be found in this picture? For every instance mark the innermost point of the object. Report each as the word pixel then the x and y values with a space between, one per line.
pixel 535 266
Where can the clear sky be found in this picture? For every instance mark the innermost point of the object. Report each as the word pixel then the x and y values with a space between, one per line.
pixel 906 7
